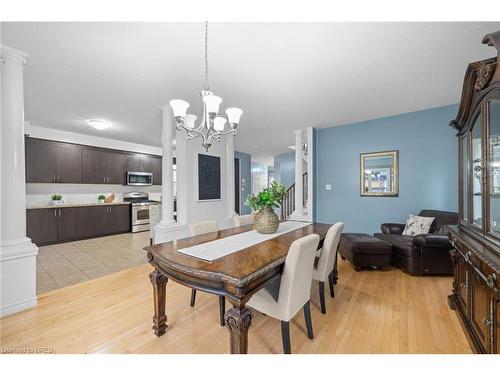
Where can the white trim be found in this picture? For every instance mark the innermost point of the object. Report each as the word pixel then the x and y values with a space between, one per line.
pixel 23 248
pixel 16 307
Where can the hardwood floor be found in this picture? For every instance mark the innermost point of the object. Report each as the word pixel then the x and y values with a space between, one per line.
pixel 372 312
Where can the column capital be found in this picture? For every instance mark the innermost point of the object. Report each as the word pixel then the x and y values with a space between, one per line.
pixel 13 55
pixel 165 107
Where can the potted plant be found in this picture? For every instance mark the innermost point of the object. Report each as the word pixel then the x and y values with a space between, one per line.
pixel 101 198
pixel 56 199
pixel 266 220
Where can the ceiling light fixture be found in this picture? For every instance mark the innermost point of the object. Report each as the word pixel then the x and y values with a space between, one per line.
pixel 99 124
pixel 211 126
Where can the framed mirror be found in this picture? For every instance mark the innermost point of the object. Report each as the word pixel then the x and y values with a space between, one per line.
pixel 379 174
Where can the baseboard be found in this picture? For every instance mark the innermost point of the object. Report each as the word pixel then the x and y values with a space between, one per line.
pixel 16 307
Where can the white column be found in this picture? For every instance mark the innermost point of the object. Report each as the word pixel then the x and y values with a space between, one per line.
pixel 167 183
pixel 231 210
pixel 298 213
pixel 17 252
pixel 310 174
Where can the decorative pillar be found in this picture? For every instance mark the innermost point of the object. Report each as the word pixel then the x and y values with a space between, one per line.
pixel 231 209
pixel 17 252
pixel 167 170
pixel 298 213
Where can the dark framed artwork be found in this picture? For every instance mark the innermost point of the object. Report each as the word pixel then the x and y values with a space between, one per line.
pixel 209 177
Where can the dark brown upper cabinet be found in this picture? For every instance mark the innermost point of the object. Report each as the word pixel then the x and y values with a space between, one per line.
pixel 59 162
pixel 56 162
pixel 102 166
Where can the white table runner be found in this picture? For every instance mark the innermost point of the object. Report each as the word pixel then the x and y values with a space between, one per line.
pixel 224 246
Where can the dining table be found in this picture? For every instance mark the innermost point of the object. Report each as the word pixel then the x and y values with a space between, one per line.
pixel 235 276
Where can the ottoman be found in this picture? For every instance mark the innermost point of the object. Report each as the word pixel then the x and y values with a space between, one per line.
pixel 363 250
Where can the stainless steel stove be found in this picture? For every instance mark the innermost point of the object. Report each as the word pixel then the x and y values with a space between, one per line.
pixel 139 205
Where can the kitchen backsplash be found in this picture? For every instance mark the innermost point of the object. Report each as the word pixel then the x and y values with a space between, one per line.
pixel 83 193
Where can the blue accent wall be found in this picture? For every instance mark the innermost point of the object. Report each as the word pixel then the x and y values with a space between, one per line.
pixel 246 175
pixel 284 168
pixel 428 158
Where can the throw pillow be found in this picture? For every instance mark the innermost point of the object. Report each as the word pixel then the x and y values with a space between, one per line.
pixel 417 225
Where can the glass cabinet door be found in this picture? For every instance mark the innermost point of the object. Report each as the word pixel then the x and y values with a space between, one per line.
pixel 494 165
pixel 464 150
pixel 477 173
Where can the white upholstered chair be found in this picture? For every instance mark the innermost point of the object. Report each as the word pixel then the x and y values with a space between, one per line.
pixel 203 227
pixel 154 218
pixel 294 289
pixel 241 220
pixel 196 229
pixel 323 270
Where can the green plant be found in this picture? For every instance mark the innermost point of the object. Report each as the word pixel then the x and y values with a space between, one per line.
pixel 56 197
pixel 269 197
pixel 101 197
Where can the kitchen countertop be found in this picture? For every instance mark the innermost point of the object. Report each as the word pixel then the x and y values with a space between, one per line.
pixel 65 205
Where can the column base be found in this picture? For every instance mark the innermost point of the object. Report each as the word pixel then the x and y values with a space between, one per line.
pixel 18 277
pixel 299 216
pixel 164 232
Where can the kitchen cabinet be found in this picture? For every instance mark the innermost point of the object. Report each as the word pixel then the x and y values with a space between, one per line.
pixel 156 169
pixel 59 162
pixel 102 166
pixel 51 225
pixel 56 162
pixel 118 219
pixel 41 225
pixel 72 223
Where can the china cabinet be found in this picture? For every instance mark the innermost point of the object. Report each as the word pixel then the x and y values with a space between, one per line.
pixel 476 240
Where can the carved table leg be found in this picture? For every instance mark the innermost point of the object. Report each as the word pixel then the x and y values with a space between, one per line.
pixel 159 282
pixel 238 320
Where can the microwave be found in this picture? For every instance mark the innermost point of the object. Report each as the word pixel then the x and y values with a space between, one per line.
pixel 139 178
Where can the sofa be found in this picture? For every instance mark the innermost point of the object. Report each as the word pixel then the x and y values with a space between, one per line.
pixel 424 254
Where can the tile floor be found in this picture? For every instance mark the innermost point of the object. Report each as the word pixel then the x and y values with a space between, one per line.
pixel 70 263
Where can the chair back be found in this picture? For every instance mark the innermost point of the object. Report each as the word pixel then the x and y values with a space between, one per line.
pixel 154 218
pixel 327 258
pixel 295 287
pixel 241 220
pixel 203 227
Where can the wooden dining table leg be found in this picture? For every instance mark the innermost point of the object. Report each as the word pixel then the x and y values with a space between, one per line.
pixel 159 282
pixel 238 320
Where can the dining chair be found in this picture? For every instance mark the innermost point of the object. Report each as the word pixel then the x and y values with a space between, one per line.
pixel 154 218
pixel 323 270
pixel 294 289
pixel 241 220
pixel 196 229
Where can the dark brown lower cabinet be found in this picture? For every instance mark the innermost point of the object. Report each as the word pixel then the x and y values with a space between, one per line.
pixel 41 225
pixel 51 225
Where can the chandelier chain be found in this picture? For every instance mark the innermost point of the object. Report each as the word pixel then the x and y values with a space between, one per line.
pixel 206 86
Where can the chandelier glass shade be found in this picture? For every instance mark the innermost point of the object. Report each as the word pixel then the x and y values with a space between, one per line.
pixel 212 126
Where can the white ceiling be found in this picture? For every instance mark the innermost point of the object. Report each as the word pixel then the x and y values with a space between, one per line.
pixel 284 76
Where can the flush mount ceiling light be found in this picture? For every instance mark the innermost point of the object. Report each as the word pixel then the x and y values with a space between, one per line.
pixel 211 126
pixel 99 124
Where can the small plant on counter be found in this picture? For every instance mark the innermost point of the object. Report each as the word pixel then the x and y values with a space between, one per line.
pixel 56 199
pixel 101 198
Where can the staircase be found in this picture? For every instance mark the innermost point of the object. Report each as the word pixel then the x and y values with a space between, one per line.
pixel 288 202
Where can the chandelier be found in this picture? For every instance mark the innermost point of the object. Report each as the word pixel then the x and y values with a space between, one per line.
pixel 212 126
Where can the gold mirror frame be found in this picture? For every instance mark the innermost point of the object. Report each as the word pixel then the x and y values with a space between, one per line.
pixel 394 177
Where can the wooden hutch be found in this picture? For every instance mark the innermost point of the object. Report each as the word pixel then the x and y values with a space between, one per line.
pixel 476 254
